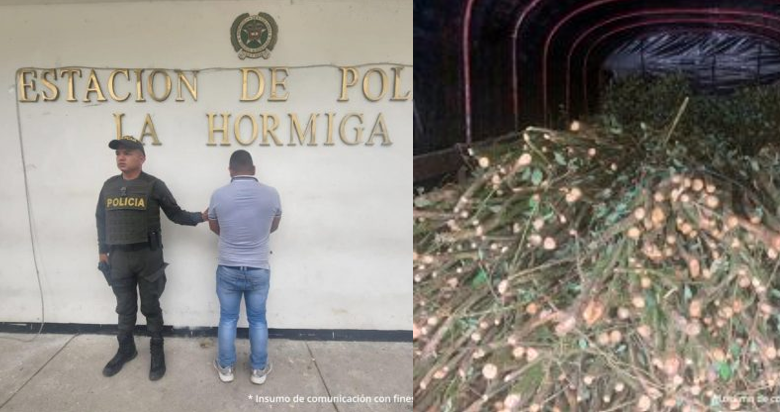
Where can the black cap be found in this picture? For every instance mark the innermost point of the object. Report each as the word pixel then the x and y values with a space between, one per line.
pixel 129 142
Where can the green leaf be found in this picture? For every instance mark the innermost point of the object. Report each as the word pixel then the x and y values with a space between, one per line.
pixel 650 300
pixel 526 174
pixel 422 202
pixel 687 294
pixel 601 211
pixel 559 159
pixel 583 344
pixel 616 129
pixel 527 295
pixel 724 371
pixel 736 351
pixel 480 279
pixel 536 177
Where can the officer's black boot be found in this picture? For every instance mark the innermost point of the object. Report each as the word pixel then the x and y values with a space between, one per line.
pixel 158 358
pixel 125 354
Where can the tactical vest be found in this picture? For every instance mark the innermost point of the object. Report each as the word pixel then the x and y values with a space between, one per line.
pixel 131 212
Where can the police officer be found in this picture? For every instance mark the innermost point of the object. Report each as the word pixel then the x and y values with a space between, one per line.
pixel 128 225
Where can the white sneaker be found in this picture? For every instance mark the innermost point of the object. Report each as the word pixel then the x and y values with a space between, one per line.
pixel 258 375
pixel 225 374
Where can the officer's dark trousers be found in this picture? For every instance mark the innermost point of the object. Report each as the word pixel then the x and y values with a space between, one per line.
pixel 135 269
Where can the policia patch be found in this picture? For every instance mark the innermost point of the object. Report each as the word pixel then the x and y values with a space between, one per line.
pixel 126 203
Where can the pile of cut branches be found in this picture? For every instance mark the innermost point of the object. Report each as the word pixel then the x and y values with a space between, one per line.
pixel 598 269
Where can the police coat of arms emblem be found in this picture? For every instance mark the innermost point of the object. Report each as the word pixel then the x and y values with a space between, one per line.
pixel 254 36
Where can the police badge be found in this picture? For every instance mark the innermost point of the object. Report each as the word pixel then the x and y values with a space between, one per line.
pixel 254 36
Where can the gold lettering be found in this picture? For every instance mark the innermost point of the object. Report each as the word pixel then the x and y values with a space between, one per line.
pixel 150 85
pixel 346 82
pixel 367 81
pixel 192 87
pixel 23 85
pixel 142 203
pixel 296 127
pixel 139 89
pixel 49 85
pixel 118 121
pixel 70 73
pixel 270 131
pixel 358 130
pixel 223 130
pixel 274 82
pixel 93 86
pixel 329 141
pixel 111 90
pixel 149 130
pixel 397 88
pixel 380 124
pixel 237 129
pixel 244 81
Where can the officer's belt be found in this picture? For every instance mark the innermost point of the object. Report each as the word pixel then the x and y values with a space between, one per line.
pixel 131 247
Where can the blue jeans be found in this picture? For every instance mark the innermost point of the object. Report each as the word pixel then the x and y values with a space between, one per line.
pixel 253 284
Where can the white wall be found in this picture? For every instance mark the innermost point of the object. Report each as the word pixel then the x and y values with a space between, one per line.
pixel 341 255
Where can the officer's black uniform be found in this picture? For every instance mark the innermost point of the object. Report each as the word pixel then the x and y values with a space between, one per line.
pixel 128 225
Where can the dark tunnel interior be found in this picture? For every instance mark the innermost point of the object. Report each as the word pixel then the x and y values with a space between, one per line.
pixel 486 68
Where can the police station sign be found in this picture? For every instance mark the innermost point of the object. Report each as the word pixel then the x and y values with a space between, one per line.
pixel 268 85
pixel 319 93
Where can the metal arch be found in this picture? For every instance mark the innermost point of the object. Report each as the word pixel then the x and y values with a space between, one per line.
pixel 515 83
pixel 467 62
pixel 573 46
pixel 418 124
pixel 467 69
pixel 547 42
pixel 563 21
pixel 655 22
